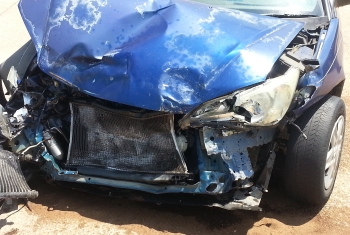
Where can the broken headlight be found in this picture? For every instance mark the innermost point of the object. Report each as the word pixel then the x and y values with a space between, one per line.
pixel 262 105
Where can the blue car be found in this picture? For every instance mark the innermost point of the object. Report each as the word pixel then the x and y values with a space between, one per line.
pixel 175 101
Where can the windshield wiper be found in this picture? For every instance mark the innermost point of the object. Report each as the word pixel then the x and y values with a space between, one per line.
pixel 290 15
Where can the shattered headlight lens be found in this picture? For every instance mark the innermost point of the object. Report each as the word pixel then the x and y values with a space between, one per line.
pixel 262 105
pixel 269 102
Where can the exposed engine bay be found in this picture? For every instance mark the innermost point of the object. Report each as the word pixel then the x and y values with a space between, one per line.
pixel 224 147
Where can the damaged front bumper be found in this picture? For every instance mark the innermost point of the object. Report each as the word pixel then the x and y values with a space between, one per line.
pixel 232 166
pixel 234 171
pixel 222 151
pixel 233 141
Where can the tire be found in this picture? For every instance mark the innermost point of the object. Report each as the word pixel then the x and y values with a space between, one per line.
pixel 307 177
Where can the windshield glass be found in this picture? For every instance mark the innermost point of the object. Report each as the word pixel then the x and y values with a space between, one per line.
pixel 272 7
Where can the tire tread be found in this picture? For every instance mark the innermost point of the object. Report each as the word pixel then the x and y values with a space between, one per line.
pixel 305 160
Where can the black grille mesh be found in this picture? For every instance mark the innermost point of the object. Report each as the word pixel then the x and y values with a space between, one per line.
pixel 12 181
pixel 106 139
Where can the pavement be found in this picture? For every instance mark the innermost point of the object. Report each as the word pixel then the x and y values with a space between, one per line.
pixel 13 33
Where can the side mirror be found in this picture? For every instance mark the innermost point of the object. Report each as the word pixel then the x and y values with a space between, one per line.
pixel 340 3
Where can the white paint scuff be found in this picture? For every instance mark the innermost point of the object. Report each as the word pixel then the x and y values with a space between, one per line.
pixel 80 14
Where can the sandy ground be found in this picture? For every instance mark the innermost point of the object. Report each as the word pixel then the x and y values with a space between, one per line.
pixel 63 211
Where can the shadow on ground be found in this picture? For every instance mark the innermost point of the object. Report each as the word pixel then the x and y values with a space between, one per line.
pixel 173 218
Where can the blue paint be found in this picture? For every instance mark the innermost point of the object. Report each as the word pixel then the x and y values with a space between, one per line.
pixel 331 71
pixel 51 166
pixel 212 172
pixel 168 55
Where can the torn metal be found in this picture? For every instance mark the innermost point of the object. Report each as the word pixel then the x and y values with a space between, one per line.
pixel 233 148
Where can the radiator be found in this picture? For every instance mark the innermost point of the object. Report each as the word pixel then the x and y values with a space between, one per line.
pixel 107 139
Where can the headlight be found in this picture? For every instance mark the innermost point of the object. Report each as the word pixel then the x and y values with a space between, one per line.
pixel 262 105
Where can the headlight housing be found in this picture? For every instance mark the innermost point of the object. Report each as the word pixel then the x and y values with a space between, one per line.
pixel 262 105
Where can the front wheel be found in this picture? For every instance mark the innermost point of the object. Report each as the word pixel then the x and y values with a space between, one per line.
pixel 312 163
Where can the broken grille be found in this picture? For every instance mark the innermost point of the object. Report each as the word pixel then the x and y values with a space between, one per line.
pixel 107 139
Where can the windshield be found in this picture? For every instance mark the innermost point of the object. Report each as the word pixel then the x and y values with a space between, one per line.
pixel 272 7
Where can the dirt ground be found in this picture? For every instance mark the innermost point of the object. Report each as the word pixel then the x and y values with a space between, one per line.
pixel 64 211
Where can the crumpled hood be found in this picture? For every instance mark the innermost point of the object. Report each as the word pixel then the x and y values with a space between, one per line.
pixel 167 55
